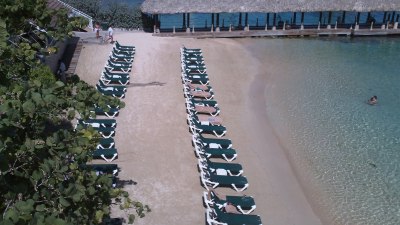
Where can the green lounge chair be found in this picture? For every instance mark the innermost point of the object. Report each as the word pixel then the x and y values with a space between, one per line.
pixel 111 92
pixel 194 74
pixel 231 169
pixel 122 58
pixel 111 80
pixel 217 130
pixel 108 154
pixel 99 122
pixel 208 95
pixel 191 50
pixel 190 86
pixel 106 143
pixel 118 67
pixel 239 183
pixel 195 70
pixel 198 139
pixel 197 54
pixel 216 216
pixel 195 80
pixel 193 111
pixel 110 113
pixel 119 46
pixel 245 204
pixel 229 154
pixel 119 63
pixel 104 168
pixel 123 52
pixel 201 102
pixel 192 60
pixel 119 74
pixel 195 66
pixel 105 132
pixel 114 87
pixel 123 55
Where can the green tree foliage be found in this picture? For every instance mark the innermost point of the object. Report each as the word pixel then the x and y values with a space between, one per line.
pixel 110 12
pixel 42 180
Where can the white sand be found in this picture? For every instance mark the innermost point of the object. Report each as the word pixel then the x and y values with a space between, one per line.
pixel 154 143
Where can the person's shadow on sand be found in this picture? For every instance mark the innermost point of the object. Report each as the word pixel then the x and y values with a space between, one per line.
pixel 154 83
pixel 123 183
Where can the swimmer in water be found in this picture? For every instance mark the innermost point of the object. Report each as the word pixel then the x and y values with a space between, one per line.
pixel 373 100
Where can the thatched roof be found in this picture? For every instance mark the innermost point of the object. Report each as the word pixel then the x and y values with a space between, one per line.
pixel 218 6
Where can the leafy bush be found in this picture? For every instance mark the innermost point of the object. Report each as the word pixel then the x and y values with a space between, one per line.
pixel 43 74
pixel 41 155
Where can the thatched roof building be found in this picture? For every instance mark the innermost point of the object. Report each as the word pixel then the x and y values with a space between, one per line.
pixel 232 6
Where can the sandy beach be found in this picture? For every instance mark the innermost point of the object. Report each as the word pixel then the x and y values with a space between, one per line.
pixel 154 143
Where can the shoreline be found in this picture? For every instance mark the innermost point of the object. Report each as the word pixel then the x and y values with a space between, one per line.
pixel 154 144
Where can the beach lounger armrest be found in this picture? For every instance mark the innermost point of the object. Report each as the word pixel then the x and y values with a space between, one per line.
pixel 109 160
pixel 229 159
pixel 207 201
pixel 245 212
pixel 240 189
pixel 219 135
pixel 235 174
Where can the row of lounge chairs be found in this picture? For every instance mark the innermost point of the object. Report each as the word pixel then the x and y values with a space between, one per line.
pixel 203 119
pixel 115 76
pixel 106 127
pixel 112 82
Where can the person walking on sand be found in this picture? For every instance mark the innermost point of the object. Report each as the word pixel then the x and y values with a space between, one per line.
pixel 97 30
pixel 110 34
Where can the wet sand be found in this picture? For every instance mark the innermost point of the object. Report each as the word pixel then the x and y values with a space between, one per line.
pixel 154 143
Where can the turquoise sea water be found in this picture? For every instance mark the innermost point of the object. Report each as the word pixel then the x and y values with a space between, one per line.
pixel 346 152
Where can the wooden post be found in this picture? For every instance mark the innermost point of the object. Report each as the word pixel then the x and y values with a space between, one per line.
pixel 212 18
pixel 384 17
pixel 230 27
pixel 302 17
pixel 246 18
pixel 188 19
pixel 240 20
pixel 372 26
pixel 184 20
pixel 173 30
pixel 212 28
pixel 344 17
pixel 217 20
pixel 329 17
pixel 319 25
pixel 274 20
pixel 155 22
pixel 294 18
pixel 320 16
pixel 267 22
pixel 393 14
pixel 284 26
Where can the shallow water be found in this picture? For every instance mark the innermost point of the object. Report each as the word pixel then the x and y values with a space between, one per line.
pixel 346 152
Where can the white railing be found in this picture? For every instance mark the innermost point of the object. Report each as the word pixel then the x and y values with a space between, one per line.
pixel 77 12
